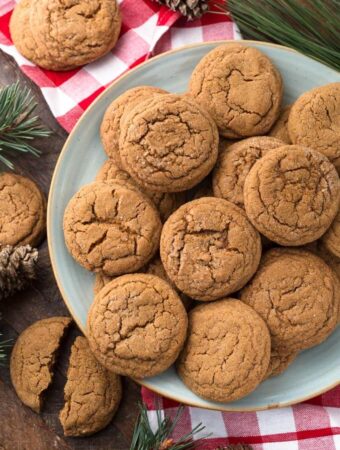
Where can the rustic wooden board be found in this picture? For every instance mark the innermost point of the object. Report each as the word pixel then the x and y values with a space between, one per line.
pixel 21 428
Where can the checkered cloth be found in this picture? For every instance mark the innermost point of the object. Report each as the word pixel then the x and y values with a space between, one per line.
pixel 149 29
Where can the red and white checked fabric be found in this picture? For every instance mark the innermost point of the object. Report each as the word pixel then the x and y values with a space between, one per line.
pixel 312 425
pixel 149 29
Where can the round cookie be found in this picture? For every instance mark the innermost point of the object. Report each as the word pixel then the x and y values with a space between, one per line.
pixel 314 121
pixel 331 239
pixel 280 128
pixel 168 143
pixel 110 126
pixel 209 249
pixel 22 212
pixel 33 358
pixel 279 362
pixel 92 393
pixel 165 202
pixel 137 325
pixel 111 227
pixel 67 33
pixel 297 295
pixel 234 163
pixel 100 280
pixel 241 89
pixel 291 195
pixel 226 354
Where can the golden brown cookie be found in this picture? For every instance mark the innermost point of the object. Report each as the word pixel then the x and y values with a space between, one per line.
pixel 234 163
pixel 100 280
pixel 22 211
pixel 331 239
pixel 279 361
pixel 320 250
pixel 314 121
pixel 240 87
pixel 33 357
pixel 64 34
pixel 297 295
pixel 92 393
pixel 137 325
pixel 110 126
pixel 209 249
pixel 291 195
pixel 168 143
pixel 280 128
pixel 226 354
pixel 165 202
pixel 111 227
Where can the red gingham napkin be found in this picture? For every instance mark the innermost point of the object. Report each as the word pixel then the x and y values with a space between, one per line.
pixel 149 29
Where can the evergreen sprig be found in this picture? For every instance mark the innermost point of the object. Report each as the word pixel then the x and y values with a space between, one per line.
pixel 144 438
pixel 309 26
pixel 3 350
pixel 17 126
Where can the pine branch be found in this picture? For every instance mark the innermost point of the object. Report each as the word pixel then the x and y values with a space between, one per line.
pixel 17 126
pixel 3 350
pixel 309 26
pixel 145 439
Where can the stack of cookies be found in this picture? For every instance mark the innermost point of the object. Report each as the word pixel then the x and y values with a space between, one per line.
pixel 174 227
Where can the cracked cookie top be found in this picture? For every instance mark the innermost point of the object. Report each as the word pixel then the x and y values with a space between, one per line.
pixel 110 126
pixel 64 34
pixel 280 128
pixel 279 361
pixel 137 325
pixel 234 163
pixel 291 195
pixel 168 143
pixel 209 248
pixel 22 211
pixel 314 121
pixel 226 354
pixel 297 295
pixel 33 358
pixel 92 393
pixel 241 89
pixel 111 227
pixel 331 239
pixel 165 202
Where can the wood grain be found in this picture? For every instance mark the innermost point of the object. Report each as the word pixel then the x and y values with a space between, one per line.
pixel 21 428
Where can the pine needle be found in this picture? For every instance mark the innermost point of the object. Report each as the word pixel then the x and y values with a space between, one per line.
pixel 17 126
pixel 309 26
pixel 3 350
pixel 145 439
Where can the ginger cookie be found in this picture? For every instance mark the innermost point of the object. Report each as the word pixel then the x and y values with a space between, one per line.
pixel 280 128
pixel 64 34
pixel 137 325
pixel 110 126
pixel 168 143
pixel 331 239
pixel 320 250
pixel 234 163
pixel 209 249
pixel 165 202
pixel 297 295
pixel 241 89
pixel 100 280
pixel 33 357
pixel 92 393
pixel 22 212
pixel 226 354
pixel 279 362
pixel 291 195
pixel 314 121
pixel 111 227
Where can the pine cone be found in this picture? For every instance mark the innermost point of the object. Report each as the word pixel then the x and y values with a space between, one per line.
pixel 191 9
pixel 17 268
pixel 236 447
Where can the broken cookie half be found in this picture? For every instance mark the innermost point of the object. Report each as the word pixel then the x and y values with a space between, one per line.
pixel 33 358
pixel 92 393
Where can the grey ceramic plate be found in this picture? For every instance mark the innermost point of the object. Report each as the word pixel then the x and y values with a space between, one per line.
pixel 315 370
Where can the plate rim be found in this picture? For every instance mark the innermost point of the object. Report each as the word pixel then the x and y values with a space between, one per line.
pixel 49 223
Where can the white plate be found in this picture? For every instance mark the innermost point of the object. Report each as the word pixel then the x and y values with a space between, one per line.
pixel 315 370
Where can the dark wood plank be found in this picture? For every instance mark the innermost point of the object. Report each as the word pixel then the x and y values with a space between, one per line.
pixel 21 428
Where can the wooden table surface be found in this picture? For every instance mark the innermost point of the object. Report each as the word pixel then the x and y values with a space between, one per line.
pixel 21 428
